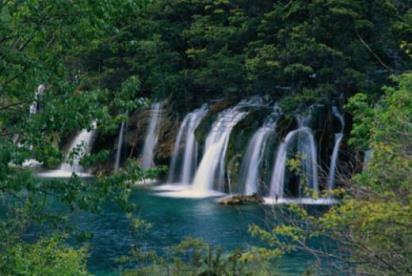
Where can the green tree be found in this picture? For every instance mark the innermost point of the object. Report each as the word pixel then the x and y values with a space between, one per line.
pixel 371 226
pixel 41 43
pixel 45 257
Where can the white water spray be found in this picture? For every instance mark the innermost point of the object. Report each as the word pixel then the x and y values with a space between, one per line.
pixel 212 165
pixel 120 140
pixel 249 172
pixel 79 147
pixel 278 175
pixel 307 151
pixel 306 148
pixel 151 137
pixel 34 107
pixel 335 153
pixel 186 137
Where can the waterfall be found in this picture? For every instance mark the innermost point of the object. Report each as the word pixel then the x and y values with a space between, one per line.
pixel 306 148
pixel 120 140
pixel 80 146
pixel 278 176
pixel 335 152
pixel 186 136
pixel 307 152
pixel 249 173
pixel 338 115
pixel 212 165
pixel 368 155
pixel 151 137
pixel 34 107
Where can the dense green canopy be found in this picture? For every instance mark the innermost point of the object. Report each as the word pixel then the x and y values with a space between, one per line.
pixel 99 59
pixel 193 50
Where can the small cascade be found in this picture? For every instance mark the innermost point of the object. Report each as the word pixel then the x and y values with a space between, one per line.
pixel 34 107
pixel 212 165
pixel 335 152
pixel 278 175
pixel 80 146
pixel 120 140
pixel 249 173
pixel 367 157
pixel 151 136
pixel 306 149
pixel 186 137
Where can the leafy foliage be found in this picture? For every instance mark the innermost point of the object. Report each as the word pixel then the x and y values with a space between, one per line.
pixel 45 257
pixel 235 48
pixel 41 43
pixel 371 226
pixel 193 257
pixel 97 59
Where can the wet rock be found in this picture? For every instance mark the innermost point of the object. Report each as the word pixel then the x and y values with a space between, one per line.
pixel 241 199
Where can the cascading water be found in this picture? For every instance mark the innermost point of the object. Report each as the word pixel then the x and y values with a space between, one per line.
pixel 34 107
pixel 307 151
pixel 186 137
pixel 212 165
pixel 278 175
pixel 151 136
pixel 306 148
pixel 249 173
pixel 335 153
pixel 80 146
pixel 120 140
pixel 367 157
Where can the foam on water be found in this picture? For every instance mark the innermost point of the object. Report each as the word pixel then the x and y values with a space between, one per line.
pixel 184 191
pixel 62 174
pixel 172 187
pixel 146 182
pixel 191 194
pixel 300 201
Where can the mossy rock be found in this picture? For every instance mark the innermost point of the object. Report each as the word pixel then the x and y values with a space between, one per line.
pixel 168 129
pixel 238 143
pixel 136 131
pixel 232 170
pixel 285 124
pixel 241 200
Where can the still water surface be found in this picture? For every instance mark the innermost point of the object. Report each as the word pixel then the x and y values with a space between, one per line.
pixel 172 220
